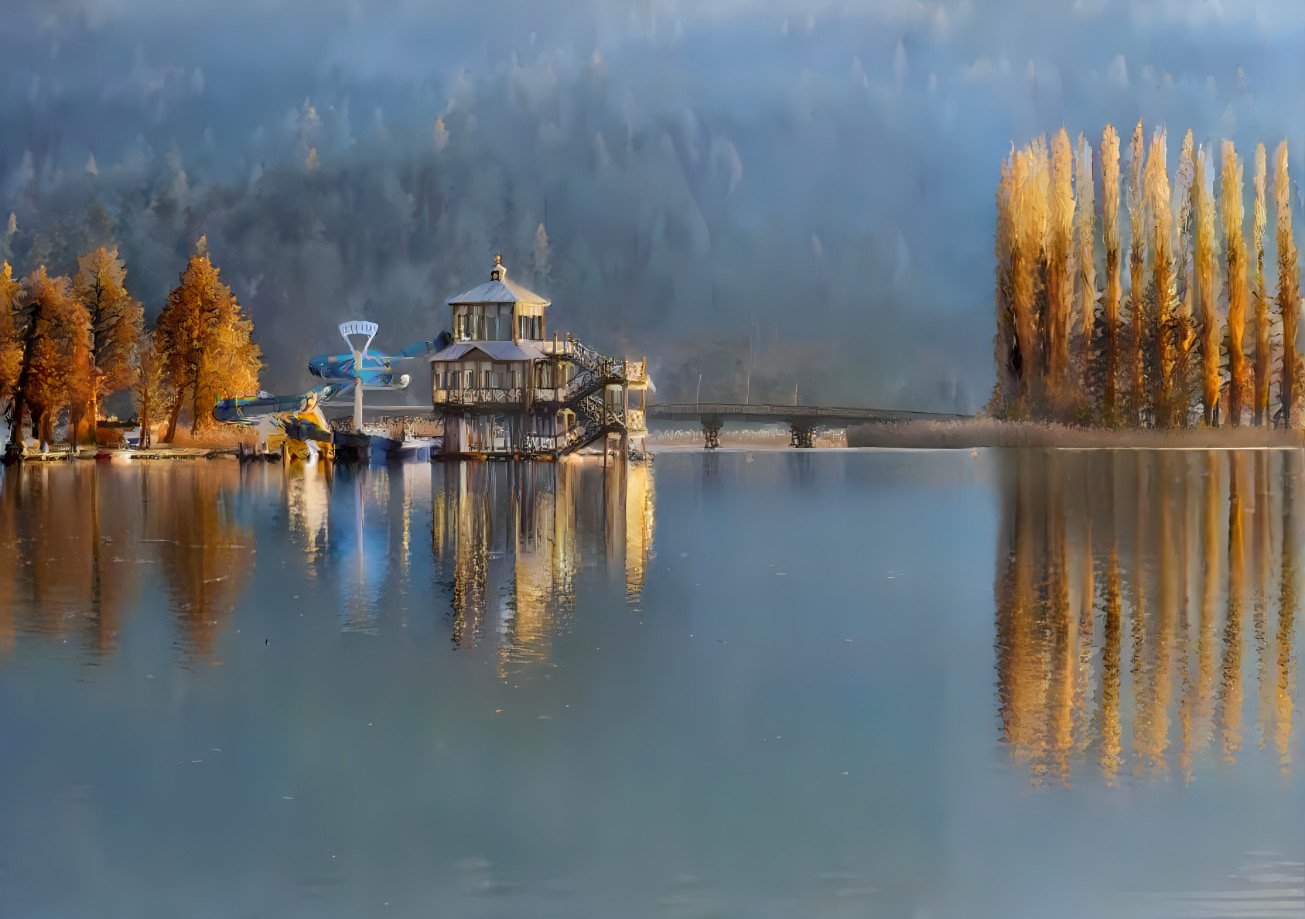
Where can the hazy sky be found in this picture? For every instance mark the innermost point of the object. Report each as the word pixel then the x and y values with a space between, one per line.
pixel 845 152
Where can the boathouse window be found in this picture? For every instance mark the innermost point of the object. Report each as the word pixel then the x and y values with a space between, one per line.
pixel 530 327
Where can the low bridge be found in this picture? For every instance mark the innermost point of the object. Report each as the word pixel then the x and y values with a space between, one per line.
pixel 803 420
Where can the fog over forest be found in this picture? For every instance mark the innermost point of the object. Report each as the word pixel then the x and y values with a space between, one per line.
pixel 772 194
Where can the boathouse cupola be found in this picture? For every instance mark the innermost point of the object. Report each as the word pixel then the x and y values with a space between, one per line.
pixel 499 310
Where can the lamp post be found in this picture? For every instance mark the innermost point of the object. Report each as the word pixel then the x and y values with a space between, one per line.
pixel 358 327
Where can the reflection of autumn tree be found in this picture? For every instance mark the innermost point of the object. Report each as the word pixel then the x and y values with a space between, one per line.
pixel 1175 517
pixel 206 552
pixel 10 546
pixel 69 533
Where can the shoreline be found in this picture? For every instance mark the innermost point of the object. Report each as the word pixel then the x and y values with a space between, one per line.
pixel 987 432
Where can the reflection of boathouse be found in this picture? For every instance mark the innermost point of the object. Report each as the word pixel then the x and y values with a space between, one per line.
pixel 510 541
pixel 502 386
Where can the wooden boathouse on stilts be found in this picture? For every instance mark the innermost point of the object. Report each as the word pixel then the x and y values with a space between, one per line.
pixel 505 388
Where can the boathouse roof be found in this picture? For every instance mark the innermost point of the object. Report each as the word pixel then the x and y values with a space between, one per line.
pixel 498 289
pixel 497 350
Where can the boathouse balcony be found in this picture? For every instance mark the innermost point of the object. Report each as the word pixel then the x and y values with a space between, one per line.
pixel 486 396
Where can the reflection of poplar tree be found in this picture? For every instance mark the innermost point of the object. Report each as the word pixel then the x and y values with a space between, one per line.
pixel 1111 642
pixel 1287 613
pixel 1230 692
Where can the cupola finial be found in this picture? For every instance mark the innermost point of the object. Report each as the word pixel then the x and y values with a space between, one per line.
pixel 499 272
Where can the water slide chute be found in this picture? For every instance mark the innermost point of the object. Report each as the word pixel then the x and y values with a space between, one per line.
pixel 250 411
pixel 299 417
pixel 377 369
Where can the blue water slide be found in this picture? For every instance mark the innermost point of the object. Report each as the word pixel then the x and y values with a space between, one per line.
pixel 252 410
pixel 376 364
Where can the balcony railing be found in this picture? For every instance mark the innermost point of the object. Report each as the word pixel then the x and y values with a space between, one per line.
pixel 483 396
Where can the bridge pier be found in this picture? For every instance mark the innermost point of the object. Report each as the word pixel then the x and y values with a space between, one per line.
pixel 711 432
pixel 804 433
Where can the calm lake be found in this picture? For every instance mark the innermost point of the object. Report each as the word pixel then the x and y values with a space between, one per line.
pixel 767 684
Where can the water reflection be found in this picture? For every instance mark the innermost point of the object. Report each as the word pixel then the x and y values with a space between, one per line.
pixel 509 540
pixel 1122 592
pixel 79 544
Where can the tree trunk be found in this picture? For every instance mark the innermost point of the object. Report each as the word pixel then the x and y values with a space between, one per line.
pixel 143 416
pixel 172 419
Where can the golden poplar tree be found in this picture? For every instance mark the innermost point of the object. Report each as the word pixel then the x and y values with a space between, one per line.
pixel 1113 293
pixel 1085 212
pixel 1184 329
pixel 1263 360
pixel 1288 287
pixel 1059 281
pixel 116 320
pixel 1025 256
pixel 1137 266
pixel 1204 207
pixel 1162 279
pixel 1231 213
pixel 207 343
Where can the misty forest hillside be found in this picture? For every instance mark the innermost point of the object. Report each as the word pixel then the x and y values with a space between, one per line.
pixel 780 197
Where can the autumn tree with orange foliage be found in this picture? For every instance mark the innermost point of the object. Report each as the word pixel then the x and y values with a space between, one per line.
pixel 116 322
pixel 54 330
pixel 205 340
pixel 11 349
pixel 151 395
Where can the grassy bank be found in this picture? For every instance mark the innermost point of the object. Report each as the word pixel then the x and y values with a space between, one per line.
pixel 987 432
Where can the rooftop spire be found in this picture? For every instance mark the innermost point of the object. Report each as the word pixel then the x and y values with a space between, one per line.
pixel 499 272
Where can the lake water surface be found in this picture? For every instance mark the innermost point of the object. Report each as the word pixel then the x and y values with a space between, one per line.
pixel 771 684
